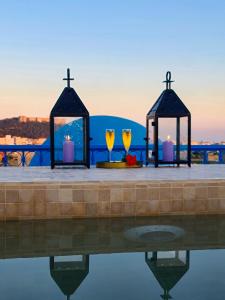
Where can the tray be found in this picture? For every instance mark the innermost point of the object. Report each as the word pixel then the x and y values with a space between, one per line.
pixel 117 165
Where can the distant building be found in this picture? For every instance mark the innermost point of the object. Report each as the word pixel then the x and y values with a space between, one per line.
pixel 24 119
pixel 7 140
pixel 18 140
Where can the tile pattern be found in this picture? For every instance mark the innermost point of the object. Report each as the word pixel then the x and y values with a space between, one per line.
pixel 41 193
pixel 52 200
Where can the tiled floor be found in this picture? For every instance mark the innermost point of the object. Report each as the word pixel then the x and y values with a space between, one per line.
pixel 45 174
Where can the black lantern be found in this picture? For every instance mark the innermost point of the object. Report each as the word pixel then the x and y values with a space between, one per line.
pixel 69 275
pixel 69 130
pixel 168 129
pixel 168 268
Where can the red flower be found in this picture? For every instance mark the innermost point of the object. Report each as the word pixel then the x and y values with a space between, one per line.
pixel 131 160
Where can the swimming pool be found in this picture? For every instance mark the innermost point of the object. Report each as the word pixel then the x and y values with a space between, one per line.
pixel 143 258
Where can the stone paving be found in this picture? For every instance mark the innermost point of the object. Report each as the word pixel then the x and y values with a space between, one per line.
pixel 45 174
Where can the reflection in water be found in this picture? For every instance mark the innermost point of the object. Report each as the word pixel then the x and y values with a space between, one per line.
pixel 168 267
pixel 154 233
pixel 69 275
pixel 92 236
pixel 166 242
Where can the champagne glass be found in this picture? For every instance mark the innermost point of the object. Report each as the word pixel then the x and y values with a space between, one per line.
pixel 110 138
pixel 126 136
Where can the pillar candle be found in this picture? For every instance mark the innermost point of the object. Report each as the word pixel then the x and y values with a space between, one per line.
pixel 68 150
pixel 167 148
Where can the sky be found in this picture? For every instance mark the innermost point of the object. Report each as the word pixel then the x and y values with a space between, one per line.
pixel 119 52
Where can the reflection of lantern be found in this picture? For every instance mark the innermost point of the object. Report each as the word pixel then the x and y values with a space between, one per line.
pixel 69 275
pixel 168 116
pixel 69 130
pixel 168 267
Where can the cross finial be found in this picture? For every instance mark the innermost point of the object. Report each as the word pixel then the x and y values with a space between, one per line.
pixel 168 80
pixel 166 295
pixel 68 79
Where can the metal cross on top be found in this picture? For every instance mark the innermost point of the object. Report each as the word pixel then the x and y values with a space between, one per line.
pixel 168 80
pixel 68 79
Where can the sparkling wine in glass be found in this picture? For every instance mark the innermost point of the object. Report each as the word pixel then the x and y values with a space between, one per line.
pixel 110 139
pixel 126 136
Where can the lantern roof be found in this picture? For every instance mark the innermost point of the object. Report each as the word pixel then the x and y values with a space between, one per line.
pixel 167 272
pixel 69 103
pixel 168 104
pixel 68 276
pixel 168 276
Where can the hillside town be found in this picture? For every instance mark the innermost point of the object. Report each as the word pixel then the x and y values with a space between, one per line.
pixel 33 130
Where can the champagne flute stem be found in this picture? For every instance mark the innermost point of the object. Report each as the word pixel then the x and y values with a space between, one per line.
pixel 110 156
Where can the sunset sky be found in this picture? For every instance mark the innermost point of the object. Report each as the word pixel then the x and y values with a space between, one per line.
pixel 118 52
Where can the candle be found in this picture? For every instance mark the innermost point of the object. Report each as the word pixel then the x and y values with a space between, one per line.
pixel 68 150
pixel 167 148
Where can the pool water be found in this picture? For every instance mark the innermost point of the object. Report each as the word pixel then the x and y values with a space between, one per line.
pixel 145 258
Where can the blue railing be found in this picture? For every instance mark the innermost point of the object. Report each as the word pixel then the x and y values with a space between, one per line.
pixel 24 153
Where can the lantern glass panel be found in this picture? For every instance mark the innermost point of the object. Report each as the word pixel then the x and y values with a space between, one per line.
pixel 167 139
pixel 184 138
pixel 70 258
pixel 169 258
pixel 150 139
pixel 182 255
pixel 149 255
pixel 69 139
pixel 175 258
pixel 166 254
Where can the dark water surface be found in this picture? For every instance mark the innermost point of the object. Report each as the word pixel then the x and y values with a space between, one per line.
pixel 144 258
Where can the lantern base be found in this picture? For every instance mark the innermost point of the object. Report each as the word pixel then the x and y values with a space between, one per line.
pixel 174 163
pixel 75 164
